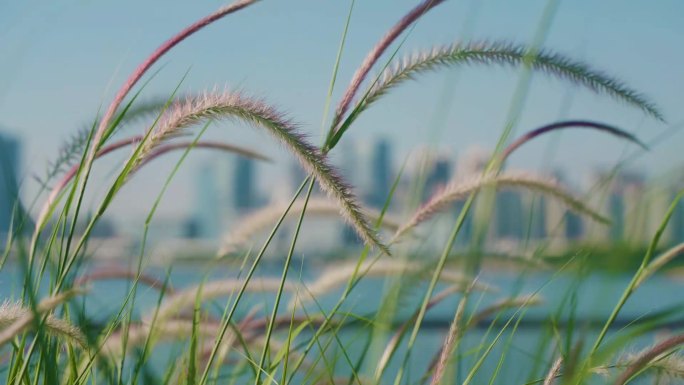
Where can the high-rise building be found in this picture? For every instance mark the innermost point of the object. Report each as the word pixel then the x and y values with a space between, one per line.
pixel 206 222
pixel 561 224
pixel 535 220
pixel 9 166
pixel 635 208
pixel 509 215
pixel 244 186
pixel 381 173
pixel 574 227
pixel 620 196
pixel 438 176
pixel 296 176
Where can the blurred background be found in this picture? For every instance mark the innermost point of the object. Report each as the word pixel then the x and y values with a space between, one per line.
pixel 63 61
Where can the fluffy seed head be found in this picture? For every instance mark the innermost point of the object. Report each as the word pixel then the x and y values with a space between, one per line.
pixel 461 189
pixel 227 105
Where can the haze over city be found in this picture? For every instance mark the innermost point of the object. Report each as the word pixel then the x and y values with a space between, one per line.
pixel 65 66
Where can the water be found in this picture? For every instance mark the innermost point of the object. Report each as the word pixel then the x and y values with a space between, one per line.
pixel 589 299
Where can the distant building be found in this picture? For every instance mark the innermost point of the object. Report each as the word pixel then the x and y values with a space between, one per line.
pixel 438 176
pixel 535 216
pixel 509 215
pixel 562 225
pixel 9 191
pixel 349 237
pixel 296 176
pixel 574 227
pixel 348 162
pixel 206 222
pixel 244 186
pixel 381 173
pixel 621 196
pixel 635 202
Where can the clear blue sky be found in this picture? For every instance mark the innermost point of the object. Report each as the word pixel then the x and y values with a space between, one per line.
pixel 61 60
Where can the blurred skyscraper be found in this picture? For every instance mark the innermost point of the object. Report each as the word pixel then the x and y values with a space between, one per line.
pixel 206 222
pixel 622 197
pixel 381 173
pixel 561 225
pixel 9 166
pixel 509 215
pixel 244 185
pixel 348 162
pixel 296 176
pixel 635 208
pixel 438 176
pixel 535 218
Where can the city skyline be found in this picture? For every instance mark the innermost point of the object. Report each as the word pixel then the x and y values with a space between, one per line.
pixel 50 67
pixel 230 188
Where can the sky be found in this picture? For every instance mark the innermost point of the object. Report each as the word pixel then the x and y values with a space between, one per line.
pixel 62 61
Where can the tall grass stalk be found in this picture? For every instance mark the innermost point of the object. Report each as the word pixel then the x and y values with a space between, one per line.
pixel 637 276
pixel 229 315
pixel 279 293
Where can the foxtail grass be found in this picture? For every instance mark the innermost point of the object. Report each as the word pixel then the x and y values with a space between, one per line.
pixel 15 318
pixel 457 190
pixel 374 55
pixel 502 54
pixel 160 150
pixel 553 371
pixel 646 357
pixel 255 222
pixel 259 114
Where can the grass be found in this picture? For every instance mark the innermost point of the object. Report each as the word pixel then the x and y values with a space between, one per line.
pixel 219 332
